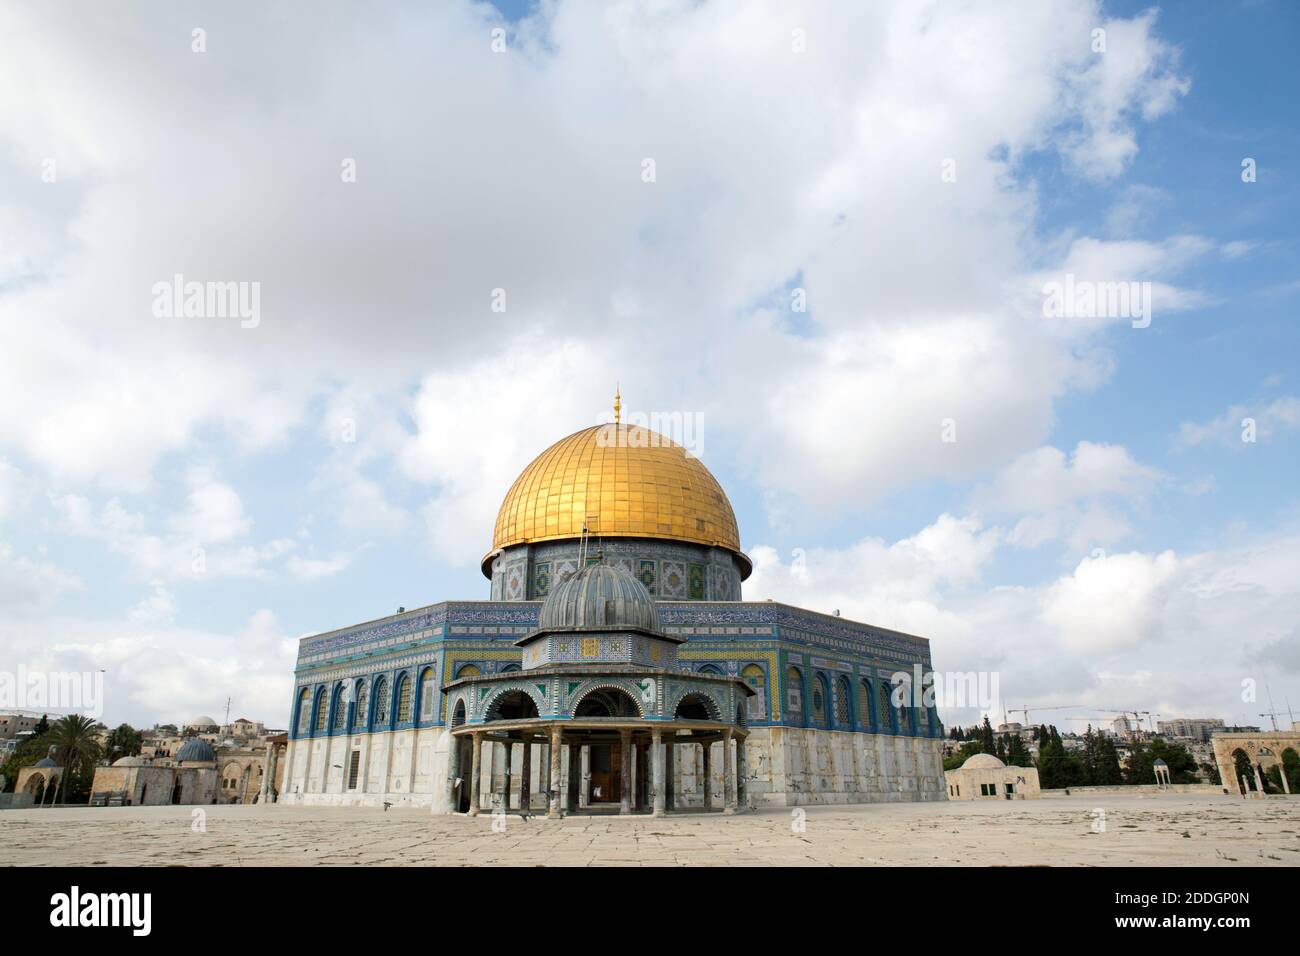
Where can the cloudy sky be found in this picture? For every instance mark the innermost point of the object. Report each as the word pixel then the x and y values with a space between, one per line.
pixel 181 499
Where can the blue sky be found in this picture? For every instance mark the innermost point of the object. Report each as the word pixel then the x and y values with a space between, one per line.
pixel 1098 532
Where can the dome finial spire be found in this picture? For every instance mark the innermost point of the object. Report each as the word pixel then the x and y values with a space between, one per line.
pixel 618 405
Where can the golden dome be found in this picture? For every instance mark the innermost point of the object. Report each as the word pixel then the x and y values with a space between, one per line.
pixel 625 482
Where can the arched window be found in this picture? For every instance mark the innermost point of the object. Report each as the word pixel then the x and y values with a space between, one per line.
pixel 468 670
pixel 756 706
pixel 709 669
pixel 340 707
pixel 404 694
pixel 322 710
pixel 793 695
pixel 359 713
pixel 428 692
pixel 304 712
pixel 868 708
pixel 884 708
pixel 381 702
pixel 905 708
pixel 821 690
pixel 843 703
pixel 458 714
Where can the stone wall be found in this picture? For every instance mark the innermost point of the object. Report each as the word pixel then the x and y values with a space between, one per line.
pixel 797 766
pixel 1141 790
pixel 783 767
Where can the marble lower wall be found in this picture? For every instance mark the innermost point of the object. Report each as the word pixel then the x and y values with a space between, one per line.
pixel 796 766
pixel 784 767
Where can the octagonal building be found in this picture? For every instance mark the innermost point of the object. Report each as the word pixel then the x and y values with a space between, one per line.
pixel 614 669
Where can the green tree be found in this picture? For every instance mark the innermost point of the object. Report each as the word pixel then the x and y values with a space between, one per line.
pixel 123 741
pixel 1242 769
pixel 986 738
pixel 1056 768
pixel 1291 765
pixel 1018 753
pixel 962 754
pixel 29 750
pixel 77 750
pixel 1107 771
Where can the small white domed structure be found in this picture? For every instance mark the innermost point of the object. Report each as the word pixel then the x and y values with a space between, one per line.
pixel 202 723
pixel 984 777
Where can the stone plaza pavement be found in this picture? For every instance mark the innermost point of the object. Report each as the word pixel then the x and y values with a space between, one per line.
pixel 1143 831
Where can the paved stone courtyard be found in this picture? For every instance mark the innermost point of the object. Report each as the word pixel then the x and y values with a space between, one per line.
pixel 1161 830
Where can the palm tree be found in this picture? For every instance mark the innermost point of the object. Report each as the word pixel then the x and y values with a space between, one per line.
pixel 76 746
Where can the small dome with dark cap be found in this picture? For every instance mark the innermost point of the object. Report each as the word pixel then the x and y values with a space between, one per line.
pixel 599 596
pixel 196 749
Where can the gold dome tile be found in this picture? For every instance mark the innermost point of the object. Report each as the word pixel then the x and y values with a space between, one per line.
pixel 640 484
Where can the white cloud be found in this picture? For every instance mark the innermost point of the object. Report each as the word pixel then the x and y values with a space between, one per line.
pixel 1281 414
pixel 155 671
pixel 1111 601
pixel 907 275
pixel 309 569
pixel 203 541
pixel 159 607
pixel 27 585
pixel 1079 499
pixel 1114 630
pixel 475 433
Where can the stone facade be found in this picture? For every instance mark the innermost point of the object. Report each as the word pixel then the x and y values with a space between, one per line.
pixel 822 727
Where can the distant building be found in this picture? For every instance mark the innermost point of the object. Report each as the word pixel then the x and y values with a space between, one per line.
pixel 193 768
pixel 1192 728
pixel 11 725
pixel 985 777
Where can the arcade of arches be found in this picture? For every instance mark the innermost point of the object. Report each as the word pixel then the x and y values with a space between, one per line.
pixel 1258 764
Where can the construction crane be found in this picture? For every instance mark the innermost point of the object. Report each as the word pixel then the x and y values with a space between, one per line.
pixel 1025 710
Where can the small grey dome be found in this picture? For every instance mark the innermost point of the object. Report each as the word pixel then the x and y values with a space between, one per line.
pixel 195 749
pixel 45 762
pixel 130 762
pixel 599 596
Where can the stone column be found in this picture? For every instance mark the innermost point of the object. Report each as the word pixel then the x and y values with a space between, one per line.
pixel 1259 781
pixel 266 773
pixel 728 774
pixel 554 811
pixel 657 772
pixel 571 776
pixel 707 750
pixel 742 789
pixel 526 778
pixel 625 772
pixel 476 773
pixel 509 747
pixel 544 771
pixel 584 776
pixel 453 771
pixel 670 771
